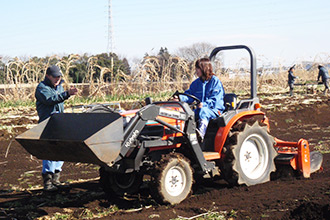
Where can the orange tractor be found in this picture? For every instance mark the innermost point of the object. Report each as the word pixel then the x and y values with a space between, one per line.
pixel 160 141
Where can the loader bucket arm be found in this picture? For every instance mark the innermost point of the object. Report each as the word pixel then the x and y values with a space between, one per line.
pixel 99 138
pixel 151 112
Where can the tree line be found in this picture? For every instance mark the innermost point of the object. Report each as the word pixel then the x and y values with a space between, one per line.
pixel 86 68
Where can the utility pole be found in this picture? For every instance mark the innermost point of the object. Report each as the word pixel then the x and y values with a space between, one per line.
pixel 110 37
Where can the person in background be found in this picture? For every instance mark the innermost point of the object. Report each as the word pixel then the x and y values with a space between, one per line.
pixel 291 79
pixel 50 96
pixel 323 73
pixel 209 90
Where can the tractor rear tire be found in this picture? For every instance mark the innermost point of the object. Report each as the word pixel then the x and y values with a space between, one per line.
pixel 249 154
pixel 120 183
pixel 172 179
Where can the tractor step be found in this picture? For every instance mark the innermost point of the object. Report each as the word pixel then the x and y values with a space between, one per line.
pixel 211 155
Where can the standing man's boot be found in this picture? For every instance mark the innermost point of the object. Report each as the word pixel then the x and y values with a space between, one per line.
pixel 56 180
pixel 48 182
pixel 291 92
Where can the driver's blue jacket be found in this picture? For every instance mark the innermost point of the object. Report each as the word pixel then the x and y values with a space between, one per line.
pixel 210 93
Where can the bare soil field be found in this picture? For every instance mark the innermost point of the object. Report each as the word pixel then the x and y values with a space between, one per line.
pixel 302 116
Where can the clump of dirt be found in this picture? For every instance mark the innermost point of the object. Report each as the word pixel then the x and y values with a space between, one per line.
pixel 311 211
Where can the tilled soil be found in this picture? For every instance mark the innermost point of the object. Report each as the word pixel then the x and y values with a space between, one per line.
pixel 303 116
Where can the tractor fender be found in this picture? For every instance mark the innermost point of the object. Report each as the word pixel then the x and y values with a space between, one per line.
pixel 223 132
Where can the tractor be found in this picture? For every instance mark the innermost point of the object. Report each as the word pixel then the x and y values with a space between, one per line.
pixel 160 141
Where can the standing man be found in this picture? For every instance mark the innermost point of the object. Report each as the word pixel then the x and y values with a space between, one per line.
pixel 291 79
pixel 323 73
pixel 50 96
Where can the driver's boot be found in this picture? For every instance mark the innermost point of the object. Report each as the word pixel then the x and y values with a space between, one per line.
pixel 202 126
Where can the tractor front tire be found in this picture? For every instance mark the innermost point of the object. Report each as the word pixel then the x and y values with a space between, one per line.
pixel 249 154
pixel 172 179
pixel 120 183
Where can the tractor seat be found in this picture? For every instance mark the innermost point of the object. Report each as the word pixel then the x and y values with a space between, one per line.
pixel 230 101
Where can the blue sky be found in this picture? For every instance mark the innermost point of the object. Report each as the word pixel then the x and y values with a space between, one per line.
pixel 277 30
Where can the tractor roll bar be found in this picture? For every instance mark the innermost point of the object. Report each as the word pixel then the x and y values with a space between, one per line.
pixel 252 64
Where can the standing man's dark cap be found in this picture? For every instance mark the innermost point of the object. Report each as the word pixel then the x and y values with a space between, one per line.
pixel 292 67
pixel 54 71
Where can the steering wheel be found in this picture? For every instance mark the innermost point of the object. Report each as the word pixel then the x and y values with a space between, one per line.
pixel 193 104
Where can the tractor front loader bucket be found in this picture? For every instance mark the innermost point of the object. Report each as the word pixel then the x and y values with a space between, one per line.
pixel 86 137
pixel 298 156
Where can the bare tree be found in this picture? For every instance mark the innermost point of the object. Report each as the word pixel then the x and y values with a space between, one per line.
pixel 195 51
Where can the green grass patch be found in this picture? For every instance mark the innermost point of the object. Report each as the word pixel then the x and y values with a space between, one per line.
pixel 161 96
pixel 289 120
pixel 15 104
pixel 322 147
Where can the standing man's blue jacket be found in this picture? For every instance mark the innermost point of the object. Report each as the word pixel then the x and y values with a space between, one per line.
pixel 210 93
pixel 49 99
pixel 323 73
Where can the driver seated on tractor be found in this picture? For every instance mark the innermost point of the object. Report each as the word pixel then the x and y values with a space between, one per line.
pixel 209 90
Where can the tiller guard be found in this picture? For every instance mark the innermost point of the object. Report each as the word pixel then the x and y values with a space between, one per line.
pixel 298 156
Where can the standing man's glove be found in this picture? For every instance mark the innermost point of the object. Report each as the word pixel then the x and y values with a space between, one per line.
pixel 72 91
